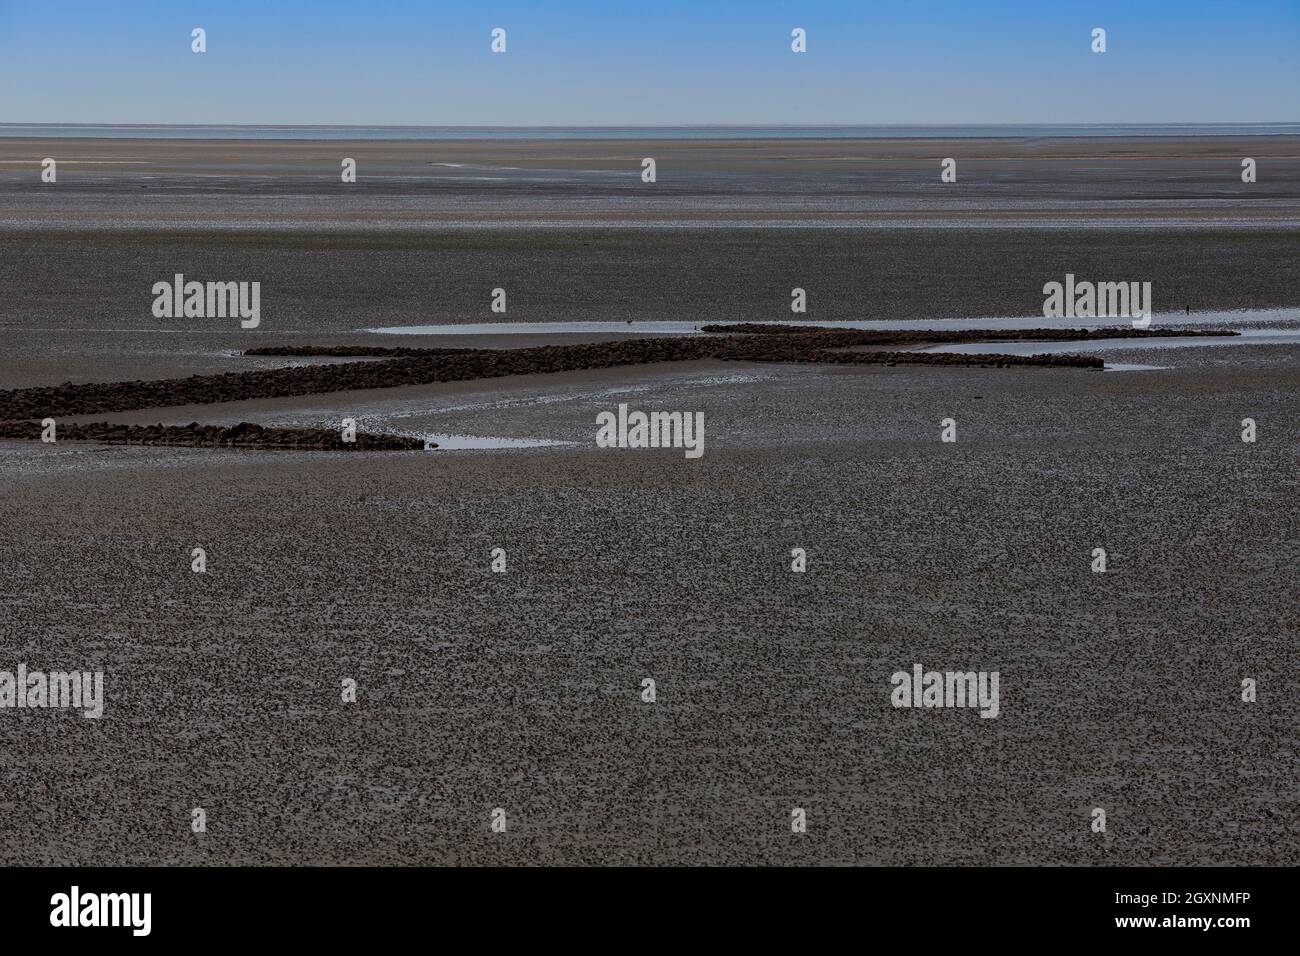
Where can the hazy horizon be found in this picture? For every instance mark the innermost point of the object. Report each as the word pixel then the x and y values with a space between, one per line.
pixel 935 125
pixel 652 132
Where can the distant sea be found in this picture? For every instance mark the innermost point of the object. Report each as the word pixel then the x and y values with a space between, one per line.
pixel 352 133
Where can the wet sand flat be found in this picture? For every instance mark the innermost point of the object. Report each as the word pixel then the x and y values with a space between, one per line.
pixel 1035 182
pixel 79 307
pixel 522 690
pixel 424 236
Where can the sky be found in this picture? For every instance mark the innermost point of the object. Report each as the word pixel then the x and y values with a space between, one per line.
pixel 659 62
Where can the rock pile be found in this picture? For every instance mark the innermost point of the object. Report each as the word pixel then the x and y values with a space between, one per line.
pixel 421 366
pixel 243 435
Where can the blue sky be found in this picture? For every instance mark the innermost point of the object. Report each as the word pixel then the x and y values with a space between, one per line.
pixel 658 62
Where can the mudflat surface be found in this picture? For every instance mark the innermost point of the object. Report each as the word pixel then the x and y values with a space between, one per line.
pixel 212 185
pixel 522 690
pixel 79 308
pixel 571 233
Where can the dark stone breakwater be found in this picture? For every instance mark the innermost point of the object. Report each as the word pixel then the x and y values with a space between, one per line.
pixel 949 336
pixel 392 367
pixel 194 435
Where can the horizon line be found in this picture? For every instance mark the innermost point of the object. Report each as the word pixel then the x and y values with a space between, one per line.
pixel 500 126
